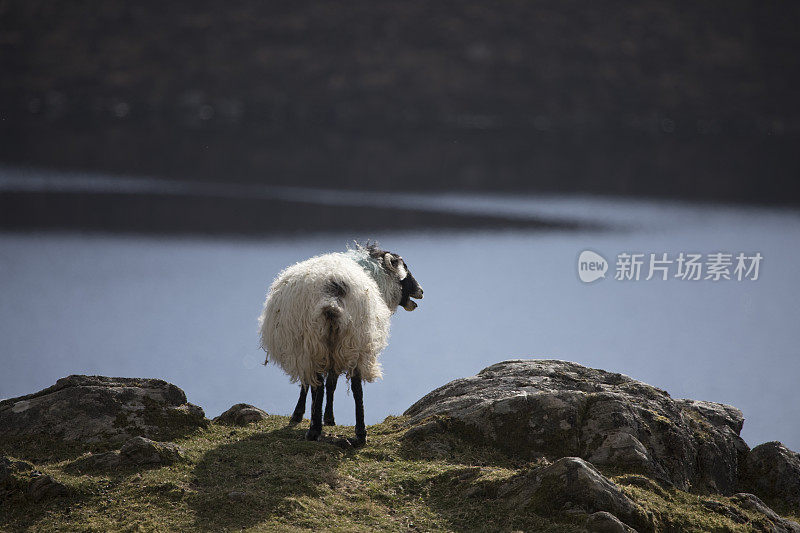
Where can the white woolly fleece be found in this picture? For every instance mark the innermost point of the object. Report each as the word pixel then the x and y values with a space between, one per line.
pixel 295 331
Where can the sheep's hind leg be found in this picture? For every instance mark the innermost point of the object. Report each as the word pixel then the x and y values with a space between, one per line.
pixel 317 395
pixel 330 388
pixel 300 408
pixel 358 396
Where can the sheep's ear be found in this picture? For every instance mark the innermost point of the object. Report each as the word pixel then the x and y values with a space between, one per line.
pixel 395 265
pixel 387 261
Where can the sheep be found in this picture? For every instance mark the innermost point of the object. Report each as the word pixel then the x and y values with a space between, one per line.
pixel 329 315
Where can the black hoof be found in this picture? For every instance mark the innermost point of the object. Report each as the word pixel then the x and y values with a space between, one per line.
pixel 296 419
pixel 313 434
pixel 329 421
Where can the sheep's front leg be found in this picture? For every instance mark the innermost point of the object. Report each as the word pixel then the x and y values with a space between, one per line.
pixel 300 408
pixel 330 388
pixel 317 395
pixel 358 396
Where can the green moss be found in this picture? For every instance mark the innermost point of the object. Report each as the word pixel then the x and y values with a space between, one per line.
pixel 266 477
pixel 675 510
pixel 660 419
pixel 701 428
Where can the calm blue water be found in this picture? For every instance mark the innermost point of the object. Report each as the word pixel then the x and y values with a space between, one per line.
pixel 185 309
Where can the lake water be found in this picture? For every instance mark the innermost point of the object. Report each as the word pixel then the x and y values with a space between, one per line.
pixel 185 309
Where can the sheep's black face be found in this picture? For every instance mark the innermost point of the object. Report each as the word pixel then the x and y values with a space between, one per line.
pixel 410 289
pixel 396 267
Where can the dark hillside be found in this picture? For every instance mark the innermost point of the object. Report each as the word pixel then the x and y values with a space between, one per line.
pixel 675 99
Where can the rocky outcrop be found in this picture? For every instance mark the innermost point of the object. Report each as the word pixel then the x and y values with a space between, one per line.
pixel 138 451
pixel 535 408
pixel 571 418
pixel 590 448
pixel 773 472
pixel 94 409
pixel 776 523
pixel 241 414
pixel 574 486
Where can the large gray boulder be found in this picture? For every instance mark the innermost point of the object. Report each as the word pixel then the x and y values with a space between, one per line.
pixel 98 409
pixel 535 408
pixel 773 472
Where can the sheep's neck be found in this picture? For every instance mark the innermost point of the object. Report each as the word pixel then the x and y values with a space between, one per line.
pixel 373 267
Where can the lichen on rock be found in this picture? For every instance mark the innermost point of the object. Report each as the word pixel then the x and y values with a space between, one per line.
pixel 94 410
pixel 558 408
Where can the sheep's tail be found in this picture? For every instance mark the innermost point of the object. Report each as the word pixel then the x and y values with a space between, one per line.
pixel 330 315
pixel 332 311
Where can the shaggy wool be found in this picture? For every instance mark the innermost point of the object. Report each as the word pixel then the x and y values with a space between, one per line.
pixel 302 315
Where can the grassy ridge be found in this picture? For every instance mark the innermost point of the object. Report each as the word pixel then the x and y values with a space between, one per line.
pixel 265 477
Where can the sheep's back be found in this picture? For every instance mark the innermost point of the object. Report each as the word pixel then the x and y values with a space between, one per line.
pixel 296 321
